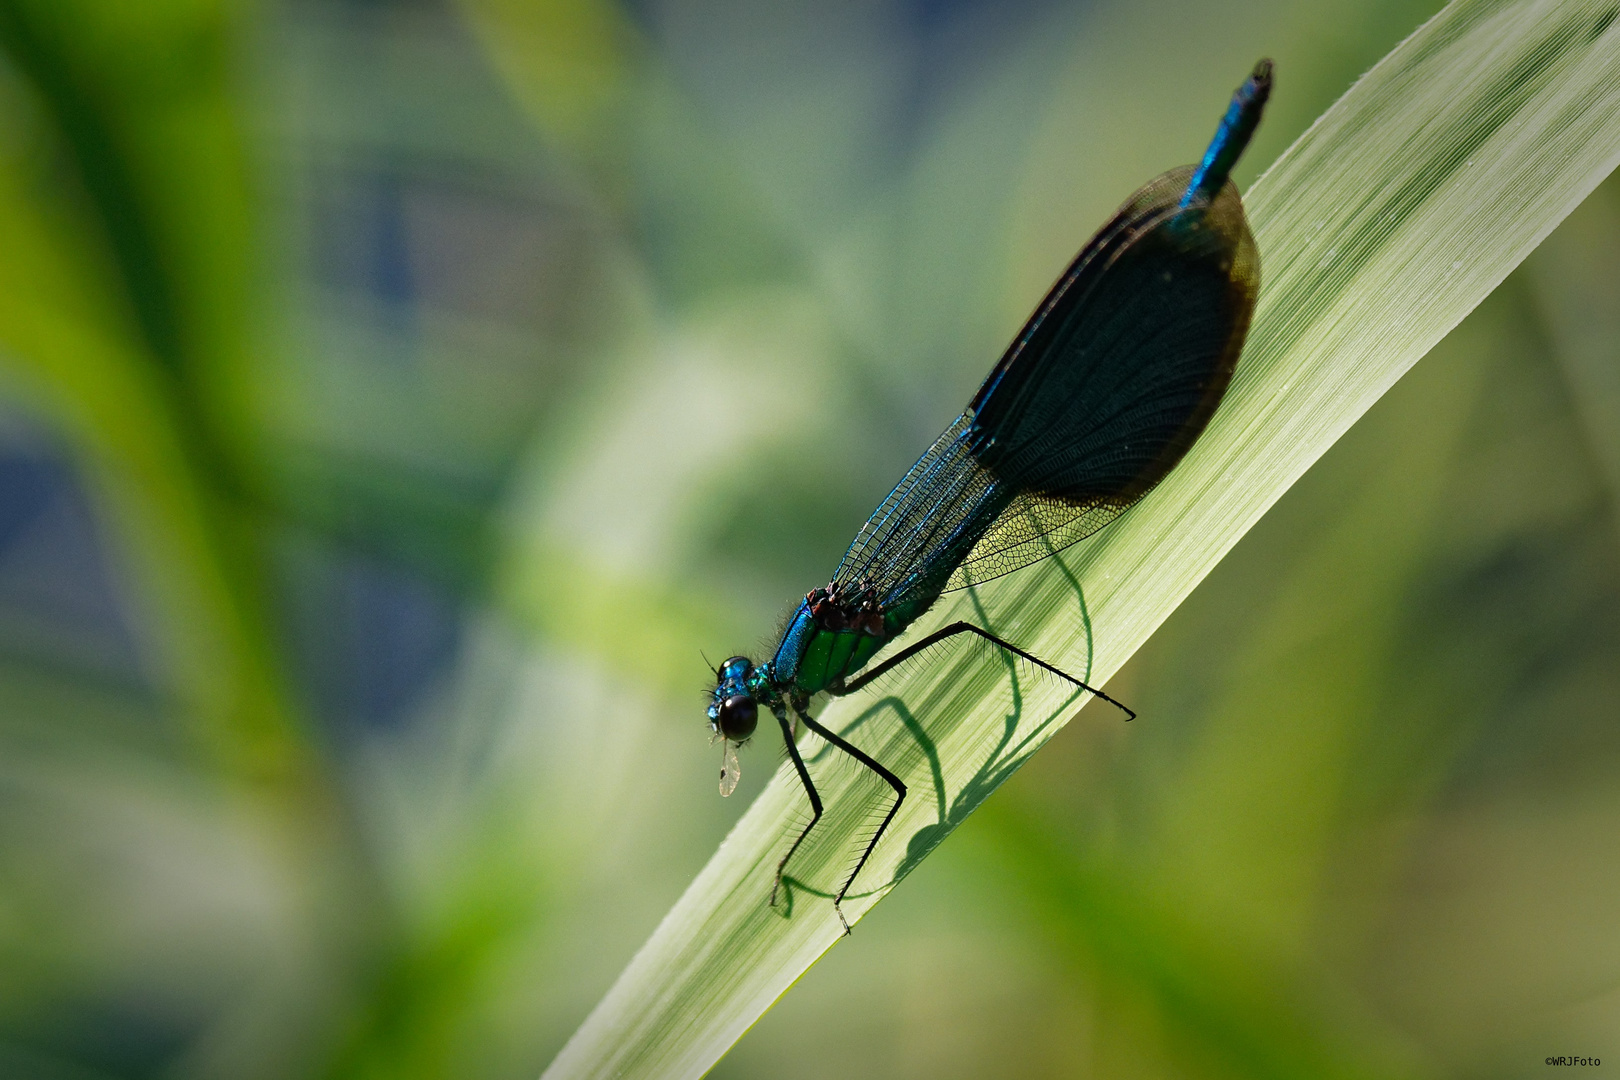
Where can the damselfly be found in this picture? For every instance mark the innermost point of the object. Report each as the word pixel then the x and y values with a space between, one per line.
pixel 1098 397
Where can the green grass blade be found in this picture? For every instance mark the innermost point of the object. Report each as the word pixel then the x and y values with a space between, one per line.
pixel 1384 225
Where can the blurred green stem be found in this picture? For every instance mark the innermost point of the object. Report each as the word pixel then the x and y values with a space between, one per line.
pixel 126 316
pixel 125 319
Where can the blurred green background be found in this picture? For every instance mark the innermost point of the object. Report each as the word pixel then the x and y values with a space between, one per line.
pixel 396 395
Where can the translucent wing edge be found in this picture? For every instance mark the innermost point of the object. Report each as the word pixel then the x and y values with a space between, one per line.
pixel 925 522
pixel 1032 528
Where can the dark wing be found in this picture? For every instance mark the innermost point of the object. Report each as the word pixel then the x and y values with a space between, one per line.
pixel 1115 375
pixel 1107 386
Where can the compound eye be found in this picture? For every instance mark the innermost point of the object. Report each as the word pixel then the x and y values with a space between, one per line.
pixel 738 717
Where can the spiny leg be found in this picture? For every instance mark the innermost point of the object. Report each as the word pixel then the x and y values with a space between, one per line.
pixel 871 763
pixel 968 628
pixel 809 789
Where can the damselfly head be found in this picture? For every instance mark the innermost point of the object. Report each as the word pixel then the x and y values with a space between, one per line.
pixel 734 713
pixel 738 717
